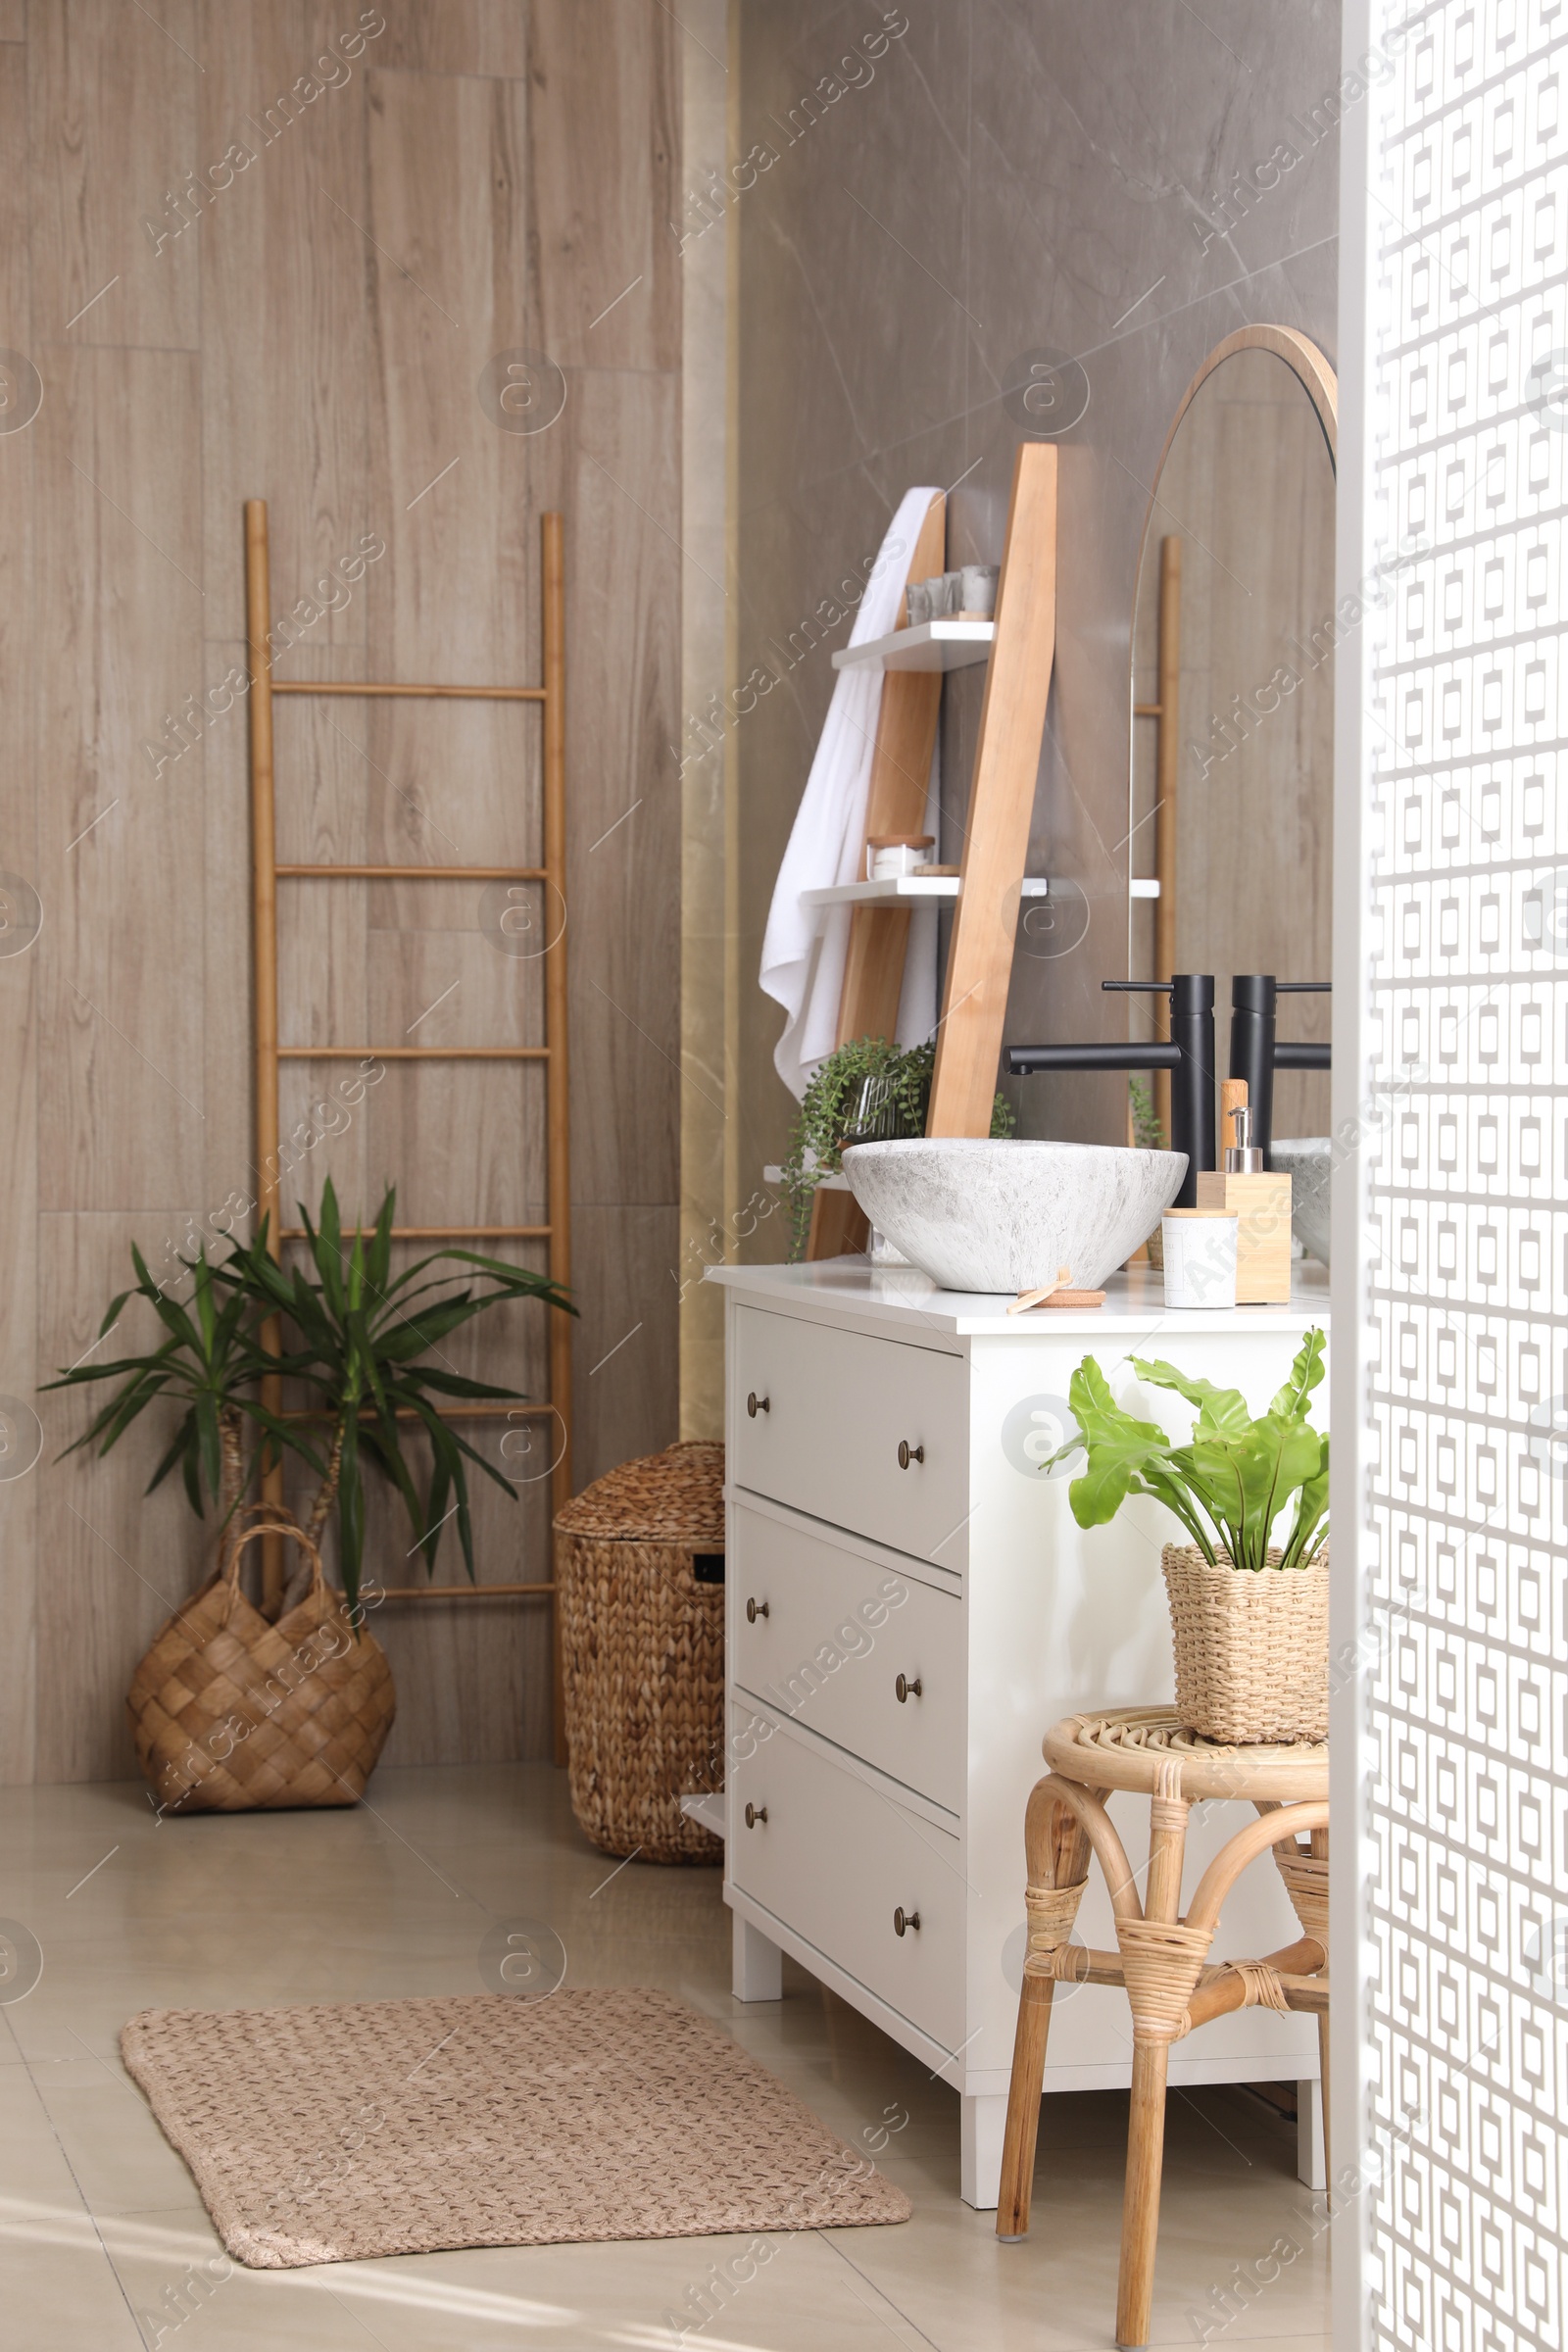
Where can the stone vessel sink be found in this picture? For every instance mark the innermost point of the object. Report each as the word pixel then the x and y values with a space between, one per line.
pixel 982 1214
pixel 1307 1159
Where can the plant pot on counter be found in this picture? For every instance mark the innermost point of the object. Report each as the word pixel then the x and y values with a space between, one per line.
pixel 1251 1647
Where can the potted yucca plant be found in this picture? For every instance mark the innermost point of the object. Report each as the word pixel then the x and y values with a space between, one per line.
pixel 229 1710
pixel 367 1342
pixel 364 1340
pixel 1248 1616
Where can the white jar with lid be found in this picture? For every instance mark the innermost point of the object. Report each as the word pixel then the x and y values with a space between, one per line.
pixel 1200 1246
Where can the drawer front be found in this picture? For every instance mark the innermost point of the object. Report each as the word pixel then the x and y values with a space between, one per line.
pixel 834 1860
pixel 838 1632
pixel 838 1407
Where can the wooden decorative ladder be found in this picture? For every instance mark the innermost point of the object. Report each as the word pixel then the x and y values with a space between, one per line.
pixel 549 696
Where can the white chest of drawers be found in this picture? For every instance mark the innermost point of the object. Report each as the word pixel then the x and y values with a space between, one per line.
pixel 911 1606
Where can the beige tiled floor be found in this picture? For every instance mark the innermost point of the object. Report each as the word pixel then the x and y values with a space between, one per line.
pixel 100 2223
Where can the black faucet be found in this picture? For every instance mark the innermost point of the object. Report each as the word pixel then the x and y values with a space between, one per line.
pixel 1255 1050
pixel 1187 1053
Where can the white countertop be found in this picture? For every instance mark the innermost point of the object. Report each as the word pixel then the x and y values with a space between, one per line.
pixel 899 1297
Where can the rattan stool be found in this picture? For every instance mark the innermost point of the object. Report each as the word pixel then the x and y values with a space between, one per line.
pixel 1162 1961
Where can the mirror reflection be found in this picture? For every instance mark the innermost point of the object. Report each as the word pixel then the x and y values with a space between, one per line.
pixel 1233 689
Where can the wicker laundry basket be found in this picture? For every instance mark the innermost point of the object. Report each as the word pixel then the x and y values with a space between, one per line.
pixel 638 1569
pixel 232 1715
pixel 1251 1647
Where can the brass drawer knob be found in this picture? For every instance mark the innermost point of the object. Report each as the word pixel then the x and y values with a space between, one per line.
pixel 756 1404
pixel 756 1609
pixel 903 1921
pixel 908 1454
pixel 904 1689
pixel 757 1813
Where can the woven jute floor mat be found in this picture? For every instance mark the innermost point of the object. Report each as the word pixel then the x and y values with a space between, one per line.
pixel 340 2133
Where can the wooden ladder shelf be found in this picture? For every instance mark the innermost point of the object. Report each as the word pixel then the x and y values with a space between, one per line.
pixel 996 847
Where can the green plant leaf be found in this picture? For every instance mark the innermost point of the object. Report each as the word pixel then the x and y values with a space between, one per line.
pixel 1294 1400
pixel 1149 1132
pixel 177 1453
pixel 349 1513
pixel 208 1356
pixel 1220 1408
pixel 380 1267
pixel 1311 1514
pixel 1251 1476
pixel 1119 1447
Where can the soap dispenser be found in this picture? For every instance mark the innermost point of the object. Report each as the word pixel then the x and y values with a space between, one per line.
pixel 1242 1157
pixel 1261 1200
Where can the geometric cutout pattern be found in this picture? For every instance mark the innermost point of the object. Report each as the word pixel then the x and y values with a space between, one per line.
pixel 1463 1249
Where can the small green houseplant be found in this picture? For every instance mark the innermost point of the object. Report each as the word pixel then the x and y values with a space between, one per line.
pixel 866 1091
pixel 1249 1618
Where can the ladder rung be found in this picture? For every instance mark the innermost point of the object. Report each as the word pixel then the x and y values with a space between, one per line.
pixel 450 1592
pixel 413 1053
pixel 456 1411
pixel 413 873
pixel 446 1233
pixel 482 694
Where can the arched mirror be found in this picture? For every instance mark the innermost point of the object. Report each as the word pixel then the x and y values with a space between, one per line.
pixel 1231 794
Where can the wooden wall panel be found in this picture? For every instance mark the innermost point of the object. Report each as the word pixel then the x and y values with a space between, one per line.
pixel 625 917
pixel 603 155
pixel 627 1366
pixel 286 351
pixel 461 37
pixel 315 337
pixel 19 972
pixel 120 1119
pixel 111 1560
pixel 448 289
pixel 113 129
pixel 19 1312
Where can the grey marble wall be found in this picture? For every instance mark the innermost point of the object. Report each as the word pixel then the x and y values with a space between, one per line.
pixel 1106 179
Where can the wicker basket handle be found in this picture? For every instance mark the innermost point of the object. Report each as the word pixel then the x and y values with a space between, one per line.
pixel 268 1520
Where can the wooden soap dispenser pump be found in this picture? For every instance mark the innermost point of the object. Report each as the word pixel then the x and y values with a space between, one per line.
pixel 1261 1201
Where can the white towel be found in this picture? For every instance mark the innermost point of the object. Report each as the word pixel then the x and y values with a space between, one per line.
pixel 803 955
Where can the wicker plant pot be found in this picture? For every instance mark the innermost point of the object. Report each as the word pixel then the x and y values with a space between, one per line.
pixel 1252 1648
pixel 232 1715
pixel 642 1643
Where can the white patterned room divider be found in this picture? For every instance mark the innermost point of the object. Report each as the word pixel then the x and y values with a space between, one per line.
pixel 1450 1727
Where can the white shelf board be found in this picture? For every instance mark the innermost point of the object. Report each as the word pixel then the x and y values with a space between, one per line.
pixel 708 1809
pixel 934 644
pixel 903 886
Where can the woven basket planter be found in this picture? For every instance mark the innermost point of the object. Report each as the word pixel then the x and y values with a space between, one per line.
pixel 643 1644
pixel 232 1715
pixel 1251 1647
